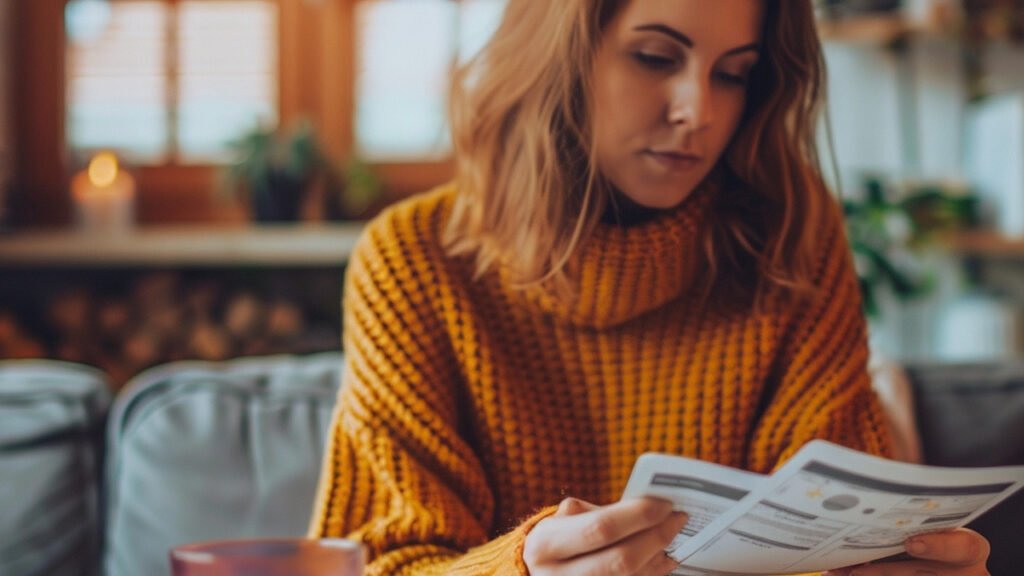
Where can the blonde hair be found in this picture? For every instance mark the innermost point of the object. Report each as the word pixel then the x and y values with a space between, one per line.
pixel 529 193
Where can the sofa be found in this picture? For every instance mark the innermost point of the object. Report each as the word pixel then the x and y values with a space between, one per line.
pixel 190 451
pixel 187 452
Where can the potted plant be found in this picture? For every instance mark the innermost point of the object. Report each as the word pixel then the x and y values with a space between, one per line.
pixel 884 236
pixel 351 190
pixel 275 170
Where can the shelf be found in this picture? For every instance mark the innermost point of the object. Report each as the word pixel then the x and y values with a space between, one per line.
pixel 880 29
pixel 199 246
pixel 985 244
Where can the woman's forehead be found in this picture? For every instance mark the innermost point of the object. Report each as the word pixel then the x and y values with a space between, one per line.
pixel 708 23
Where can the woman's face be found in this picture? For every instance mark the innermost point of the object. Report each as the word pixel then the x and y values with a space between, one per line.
pixel 670 81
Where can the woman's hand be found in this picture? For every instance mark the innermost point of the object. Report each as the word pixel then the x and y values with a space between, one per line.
pixel 954 553
pixel 627 538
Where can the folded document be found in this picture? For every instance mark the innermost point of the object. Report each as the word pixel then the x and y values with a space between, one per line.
pixel 826 508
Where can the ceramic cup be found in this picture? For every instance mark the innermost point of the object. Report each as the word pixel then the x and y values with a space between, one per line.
pixel 272 557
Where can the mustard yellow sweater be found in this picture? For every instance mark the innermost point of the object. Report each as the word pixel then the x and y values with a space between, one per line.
pixel 469 408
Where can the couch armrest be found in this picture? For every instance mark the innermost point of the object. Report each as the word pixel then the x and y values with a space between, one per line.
pixel 973 415
pixel 210 451
pixel 51 417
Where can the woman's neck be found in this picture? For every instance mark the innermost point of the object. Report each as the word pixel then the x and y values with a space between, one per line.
pixel 623 211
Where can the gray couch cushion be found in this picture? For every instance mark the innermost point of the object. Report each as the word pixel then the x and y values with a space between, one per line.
pixel 970 414
pixel 973 415
pixel 206 451
pixel 51 417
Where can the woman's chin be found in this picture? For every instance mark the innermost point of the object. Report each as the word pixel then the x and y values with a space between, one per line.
pixel 665 201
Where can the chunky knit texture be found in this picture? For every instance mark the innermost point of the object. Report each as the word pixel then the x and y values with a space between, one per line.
pixel 470 407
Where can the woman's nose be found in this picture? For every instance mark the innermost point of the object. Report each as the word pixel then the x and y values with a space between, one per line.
pixel 691 104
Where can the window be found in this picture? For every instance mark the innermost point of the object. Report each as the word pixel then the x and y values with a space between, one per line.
pixel 166 82
pixel 406 49
pixel 169 81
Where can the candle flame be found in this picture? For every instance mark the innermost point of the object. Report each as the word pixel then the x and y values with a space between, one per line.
pixel 103 169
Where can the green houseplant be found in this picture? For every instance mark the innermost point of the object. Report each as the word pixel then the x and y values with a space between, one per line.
pixel 275 169
pixel 886 234
pixel 350 190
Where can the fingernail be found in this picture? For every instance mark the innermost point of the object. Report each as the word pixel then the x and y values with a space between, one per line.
pixel 917 548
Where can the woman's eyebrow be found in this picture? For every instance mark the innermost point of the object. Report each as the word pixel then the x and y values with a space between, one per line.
pixel 688 42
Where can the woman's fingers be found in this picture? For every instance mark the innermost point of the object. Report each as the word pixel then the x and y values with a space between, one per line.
pixel 659 565
pixel 642 554
pixel 959 552
pixel 960 547
pixel 564 537
pixel 574 506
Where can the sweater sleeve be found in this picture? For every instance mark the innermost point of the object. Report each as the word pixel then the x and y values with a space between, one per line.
pixel 821 387
pixel 397 476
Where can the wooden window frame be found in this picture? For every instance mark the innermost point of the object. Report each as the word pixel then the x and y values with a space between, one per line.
pixel 316 80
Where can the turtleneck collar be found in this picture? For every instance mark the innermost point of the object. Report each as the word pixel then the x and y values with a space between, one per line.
pixel 624 272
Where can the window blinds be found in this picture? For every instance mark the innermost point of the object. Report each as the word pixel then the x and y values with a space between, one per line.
pixel 163 81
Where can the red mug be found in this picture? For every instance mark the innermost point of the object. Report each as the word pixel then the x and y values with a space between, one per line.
pixel 270 557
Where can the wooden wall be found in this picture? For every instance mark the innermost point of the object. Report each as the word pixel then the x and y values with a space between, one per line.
pixel 6 106
pixel 41 185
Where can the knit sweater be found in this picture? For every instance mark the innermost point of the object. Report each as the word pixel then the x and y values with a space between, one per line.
pixel 470 407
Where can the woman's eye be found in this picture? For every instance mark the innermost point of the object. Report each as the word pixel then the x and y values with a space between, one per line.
pixel 737 79
pixel 654 61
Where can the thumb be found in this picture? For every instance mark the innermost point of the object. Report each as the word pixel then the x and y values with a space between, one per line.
pixel 573 506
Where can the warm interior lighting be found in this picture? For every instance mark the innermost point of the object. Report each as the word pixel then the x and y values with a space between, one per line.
pixel 103 170
pixel 104 196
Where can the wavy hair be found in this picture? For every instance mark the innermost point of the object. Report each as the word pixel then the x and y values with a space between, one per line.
pixel 529 192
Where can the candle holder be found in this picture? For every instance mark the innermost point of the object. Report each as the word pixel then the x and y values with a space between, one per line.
pixel 104 197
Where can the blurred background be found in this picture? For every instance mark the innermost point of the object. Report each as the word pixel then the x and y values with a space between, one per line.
pixel 184 179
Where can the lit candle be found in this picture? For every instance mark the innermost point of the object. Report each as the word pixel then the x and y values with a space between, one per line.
pixel 104 196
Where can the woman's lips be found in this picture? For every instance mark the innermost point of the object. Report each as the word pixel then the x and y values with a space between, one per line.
pixel 673 160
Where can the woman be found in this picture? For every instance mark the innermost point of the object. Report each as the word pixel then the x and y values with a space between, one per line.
pixel 637 255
